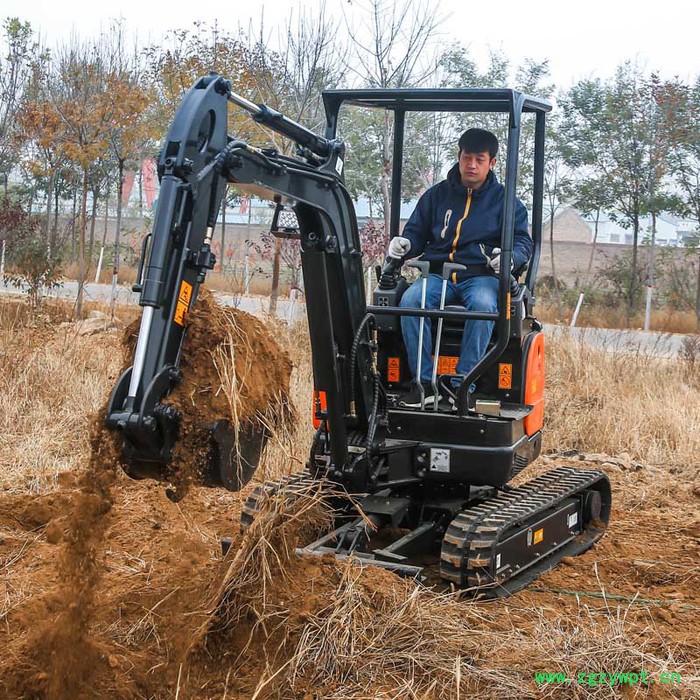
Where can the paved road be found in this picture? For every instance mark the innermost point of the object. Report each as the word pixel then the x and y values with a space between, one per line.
pixel 651 343
pixel 101 292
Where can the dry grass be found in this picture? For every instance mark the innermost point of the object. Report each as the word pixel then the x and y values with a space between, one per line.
pixel 216 281
pixel 666 320
pixel 617 402
pixel 53 380
pixel 317 630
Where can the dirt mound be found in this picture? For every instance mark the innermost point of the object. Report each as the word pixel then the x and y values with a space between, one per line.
pixel 232 369
pixel 166 616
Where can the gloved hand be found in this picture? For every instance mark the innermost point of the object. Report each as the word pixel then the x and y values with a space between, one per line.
pixel 399 247
pixel 495 261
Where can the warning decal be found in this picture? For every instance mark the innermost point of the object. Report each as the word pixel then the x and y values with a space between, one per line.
pixel 393 369
pixel 505 376
pixel 538 536
pixel 183 302
pixel 447 364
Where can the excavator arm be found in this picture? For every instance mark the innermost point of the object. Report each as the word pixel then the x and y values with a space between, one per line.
pixel 196 162
pixel 431 482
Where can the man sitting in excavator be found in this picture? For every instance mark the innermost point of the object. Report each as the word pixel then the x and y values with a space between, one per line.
pixel 458 221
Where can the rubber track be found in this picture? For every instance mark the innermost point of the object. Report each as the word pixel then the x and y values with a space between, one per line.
pixel 292 486
pixel 470 541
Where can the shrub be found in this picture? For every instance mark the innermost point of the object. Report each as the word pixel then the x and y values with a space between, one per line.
pixel 30 264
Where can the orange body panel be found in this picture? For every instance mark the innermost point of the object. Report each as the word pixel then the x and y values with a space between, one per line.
pixel 534 385
pixel 319 403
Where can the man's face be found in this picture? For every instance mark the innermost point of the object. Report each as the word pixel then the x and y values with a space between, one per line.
pixel 474 167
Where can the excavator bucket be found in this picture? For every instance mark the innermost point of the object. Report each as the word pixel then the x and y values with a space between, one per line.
pixel 225 458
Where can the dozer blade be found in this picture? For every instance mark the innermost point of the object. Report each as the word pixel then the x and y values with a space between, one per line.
pixel 502 544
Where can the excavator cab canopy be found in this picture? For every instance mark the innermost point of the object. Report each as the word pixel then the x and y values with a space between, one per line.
pixel 477 100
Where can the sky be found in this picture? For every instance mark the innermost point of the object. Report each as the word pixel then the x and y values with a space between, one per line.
pixel 581 40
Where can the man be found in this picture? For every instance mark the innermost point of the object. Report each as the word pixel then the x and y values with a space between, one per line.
pixel 459 220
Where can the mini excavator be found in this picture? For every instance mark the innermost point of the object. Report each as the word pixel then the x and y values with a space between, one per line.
pixel 436 478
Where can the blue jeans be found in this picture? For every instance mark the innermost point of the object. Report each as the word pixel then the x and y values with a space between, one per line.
pixel 475 294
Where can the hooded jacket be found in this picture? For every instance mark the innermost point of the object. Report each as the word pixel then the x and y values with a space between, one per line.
pixel 456 224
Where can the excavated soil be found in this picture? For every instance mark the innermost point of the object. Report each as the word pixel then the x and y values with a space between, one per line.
pixel 114 591
pixel 109 589
pixel 232 368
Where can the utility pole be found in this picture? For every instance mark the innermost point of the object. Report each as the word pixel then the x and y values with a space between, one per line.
pixel 650 276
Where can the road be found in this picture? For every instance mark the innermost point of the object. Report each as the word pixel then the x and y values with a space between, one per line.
pixel 667 345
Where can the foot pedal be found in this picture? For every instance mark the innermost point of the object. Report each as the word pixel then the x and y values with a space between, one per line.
pixel 500 409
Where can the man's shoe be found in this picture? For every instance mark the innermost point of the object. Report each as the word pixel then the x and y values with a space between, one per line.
pixel 413 399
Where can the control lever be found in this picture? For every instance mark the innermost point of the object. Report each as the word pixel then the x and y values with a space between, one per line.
pixel 423 266
pixel 447 270
pixel 389 275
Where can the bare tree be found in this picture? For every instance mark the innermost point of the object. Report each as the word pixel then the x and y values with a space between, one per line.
pixel 392 48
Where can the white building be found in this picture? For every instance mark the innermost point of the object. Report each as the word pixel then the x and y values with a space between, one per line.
pixel 670 230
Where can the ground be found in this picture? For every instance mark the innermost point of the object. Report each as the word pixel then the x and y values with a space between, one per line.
pixel 110 589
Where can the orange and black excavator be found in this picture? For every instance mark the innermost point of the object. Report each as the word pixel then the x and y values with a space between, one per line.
pixel 434 477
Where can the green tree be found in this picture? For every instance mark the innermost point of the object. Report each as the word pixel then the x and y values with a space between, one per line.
pixel 615 131
pixel 15 72
pixel 681 103
pixel 29 266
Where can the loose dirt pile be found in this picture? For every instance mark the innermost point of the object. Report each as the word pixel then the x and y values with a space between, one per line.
pixel 232 369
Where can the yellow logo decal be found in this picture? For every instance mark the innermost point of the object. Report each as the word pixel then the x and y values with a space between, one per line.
pixel 183 303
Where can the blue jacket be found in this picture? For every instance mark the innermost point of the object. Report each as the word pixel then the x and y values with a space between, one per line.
pixel 463 225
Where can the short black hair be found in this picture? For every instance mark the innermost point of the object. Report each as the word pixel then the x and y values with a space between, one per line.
pixel 478 141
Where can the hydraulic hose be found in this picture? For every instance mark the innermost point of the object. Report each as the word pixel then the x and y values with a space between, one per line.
pixel 353 359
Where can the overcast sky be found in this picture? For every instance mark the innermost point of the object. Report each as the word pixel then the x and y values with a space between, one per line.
pixel 584 39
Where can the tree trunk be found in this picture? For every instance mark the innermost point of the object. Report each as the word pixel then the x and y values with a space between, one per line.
pixel 49 197
pixel 93 218
pixel 54 233
pixel 697 296
pixel 650 275
pixel 141 191
pixel 551 252
pixel 223 232
pixel 595 240
pixel 275 277
pixel 117 235
pixel 74 229
pixel 633 271
pixel 386 169
pixel 81 248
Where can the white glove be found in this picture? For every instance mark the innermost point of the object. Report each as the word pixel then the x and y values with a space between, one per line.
pixel 399 247
pixel 495 261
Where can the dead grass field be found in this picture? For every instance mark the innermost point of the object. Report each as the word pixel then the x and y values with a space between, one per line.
pixel 170 618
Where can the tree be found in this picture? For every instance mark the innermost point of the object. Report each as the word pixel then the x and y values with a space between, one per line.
pixel 556 182
pixel 76 91
pixel 682 105
pixel 28 263
pixel 129 124
pixel 615 131
pixel 392 49
pixel 15 71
